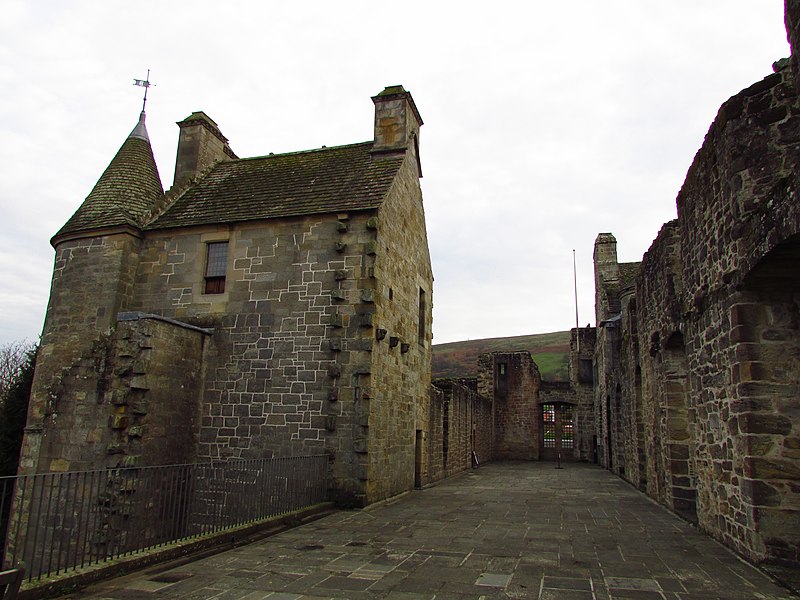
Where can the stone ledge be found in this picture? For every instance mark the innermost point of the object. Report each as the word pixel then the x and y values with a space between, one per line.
pixel 179 552
pixel 137 316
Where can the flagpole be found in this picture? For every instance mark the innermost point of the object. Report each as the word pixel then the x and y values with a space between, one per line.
pixel 575 281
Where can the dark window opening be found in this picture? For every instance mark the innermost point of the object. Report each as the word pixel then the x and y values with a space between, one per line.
pixel 216 267
pixel 422 312
pixel 585 371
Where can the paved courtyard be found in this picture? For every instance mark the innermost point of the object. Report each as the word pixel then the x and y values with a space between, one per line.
pixel 506 530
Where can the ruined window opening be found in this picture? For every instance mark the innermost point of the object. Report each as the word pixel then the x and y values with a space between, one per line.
pixel 391 293
pixel 585 371
pixel 216 267
pixel 422 311
pixel 501 369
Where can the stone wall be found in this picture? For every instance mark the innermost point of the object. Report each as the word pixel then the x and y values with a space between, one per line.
pixel 91 282
pixel 703 356
pixel 581 378
pixel 402 293
pixel 512 379
pixel 460 424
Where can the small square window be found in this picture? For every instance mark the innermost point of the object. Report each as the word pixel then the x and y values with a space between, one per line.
pixel 216 267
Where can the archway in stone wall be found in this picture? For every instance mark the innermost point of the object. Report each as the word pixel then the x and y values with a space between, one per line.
pixel 766 332
pixel 558 440
pixel 680 463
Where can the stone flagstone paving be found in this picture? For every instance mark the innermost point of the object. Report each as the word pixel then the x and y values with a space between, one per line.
pixel 506 530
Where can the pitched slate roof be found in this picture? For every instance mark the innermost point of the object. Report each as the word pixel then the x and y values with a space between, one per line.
pixel 126 192
pixel 325 180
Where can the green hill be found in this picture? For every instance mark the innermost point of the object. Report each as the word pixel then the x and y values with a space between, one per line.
pixel 549 350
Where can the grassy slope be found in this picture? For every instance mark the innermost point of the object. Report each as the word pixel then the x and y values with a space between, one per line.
pixel 460 359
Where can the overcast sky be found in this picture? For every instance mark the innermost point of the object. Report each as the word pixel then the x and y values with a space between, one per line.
pixel 545 122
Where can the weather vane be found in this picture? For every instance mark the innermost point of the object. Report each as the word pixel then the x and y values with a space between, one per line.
pixel 145 83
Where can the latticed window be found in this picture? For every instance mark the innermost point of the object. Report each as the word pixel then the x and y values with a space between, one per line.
pixel 216 267
pixel 567 428
pixel 549 421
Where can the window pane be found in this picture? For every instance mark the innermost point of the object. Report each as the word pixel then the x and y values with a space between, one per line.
pixel 217 259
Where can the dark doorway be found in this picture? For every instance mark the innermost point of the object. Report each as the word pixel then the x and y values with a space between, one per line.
pixel 558 431
pixel 418 460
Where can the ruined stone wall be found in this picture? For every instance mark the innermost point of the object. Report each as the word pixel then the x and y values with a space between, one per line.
pixel 706 352
pixel 91 282
pixel 739 225
pixel 512 379
pixel 581 378
pixel 667 407
pixel 154 392
pixel 631 402
pixel 460 424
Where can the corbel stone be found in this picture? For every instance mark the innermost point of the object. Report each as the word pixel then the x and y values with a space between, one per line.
pixel 363 345
pixel 372 223
pixel 333 395
pixel 341 247
pixel 367 295
pixel 337 319
pixel 139 382
pixel 118 421
pixel 393 341
pixel 363 369
pixel 342 227
pixel 404 347
pixel 371 248
pixel 340 274
pixel 365 319
pixel 335 345
pixel 338 294
pixel 380 334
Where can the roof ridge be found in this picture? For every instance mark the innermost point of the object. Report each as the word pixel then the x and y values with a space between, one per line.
pixel 309 151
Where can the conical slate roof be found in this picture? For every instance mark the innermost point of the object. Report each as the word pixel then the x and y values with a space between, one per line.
pixel 125 194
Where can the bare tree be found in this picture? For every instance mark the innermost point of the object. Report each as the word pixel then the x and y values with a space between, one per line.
pixel 12 358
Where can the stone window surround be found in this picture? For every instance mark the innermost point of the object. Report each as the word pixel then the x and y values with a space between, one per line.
pixel 205 240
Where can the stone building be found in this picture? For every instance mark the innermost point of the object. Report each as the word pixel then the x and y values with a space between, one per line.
pixel 698 346
pixel 262 306
pixel 528 418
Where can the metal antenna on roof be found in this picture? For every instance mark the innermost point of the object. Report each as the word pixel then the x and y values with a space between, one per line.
pixel 145 83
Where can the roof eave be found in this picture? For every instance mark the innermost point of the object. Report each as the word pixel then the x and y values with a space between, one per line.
pixel 71 236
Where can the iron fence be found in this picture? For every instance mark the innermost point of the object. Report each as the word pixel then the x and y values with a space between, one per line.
pixel 56 522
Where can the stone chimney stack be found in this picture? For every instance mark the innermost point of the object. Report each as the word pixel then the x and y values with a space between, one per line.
pixel 397 123
pixel 200 145
pixel 606 276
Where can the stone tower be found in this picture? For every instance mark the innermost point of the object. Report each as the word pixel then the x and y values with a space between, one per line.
pixel 93 276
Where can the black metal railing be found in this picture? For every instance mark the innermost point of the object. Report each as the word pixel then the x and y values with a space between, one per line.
pixel 56 522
